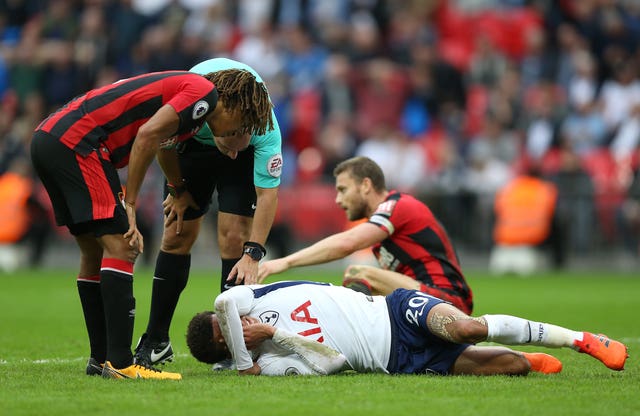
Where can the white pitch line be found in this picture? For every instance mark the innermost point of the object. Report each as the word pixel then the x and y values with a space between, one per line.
pixel 58 360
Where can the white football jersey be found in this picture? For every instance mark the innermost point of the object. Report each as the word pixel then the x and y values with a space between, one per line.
pixel 350 322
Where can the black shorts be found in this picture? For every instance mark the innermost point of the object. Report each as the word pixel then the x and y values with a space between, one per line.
pixel 85 191
pixel 205 170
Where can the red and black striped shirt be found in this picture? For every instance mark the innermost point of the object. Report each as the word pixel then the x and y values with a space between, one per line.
pixel 110 116
pixel 418 245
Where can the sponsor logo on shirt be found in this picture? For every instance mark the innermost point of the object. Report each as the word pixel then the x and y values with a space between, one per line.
pixel 200 109
pixel 169 143
pixel 274 165
pixel 387 260
pixel 386 208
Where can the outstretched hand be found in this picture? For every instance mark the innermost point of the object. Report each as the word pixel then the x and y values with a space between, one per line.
pixel 271 267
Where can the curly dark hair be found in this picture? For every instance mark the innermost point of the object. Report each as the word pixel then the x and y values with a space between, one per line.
pixel 238 88
pixel 200 339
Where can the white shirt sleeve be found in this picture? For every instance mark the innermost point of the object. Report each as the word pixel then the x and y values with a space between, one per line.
pixel 284 365
pixel 309 354
pixel 229 306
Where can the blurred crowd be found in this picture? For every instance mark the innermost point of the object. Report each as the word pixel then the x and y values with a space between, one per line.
pixel 452 98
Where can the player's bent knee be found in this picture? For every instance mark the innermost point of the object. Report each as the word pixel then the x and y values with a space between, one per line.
pixel 176 244
pixel 467 331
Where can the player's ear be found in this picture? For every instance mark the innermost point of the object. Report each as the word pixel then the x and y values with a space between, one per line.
pixel 366 185
pixel 217 333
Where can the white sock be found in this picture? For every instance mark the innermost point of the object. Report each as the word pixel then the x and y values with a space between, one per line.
pixel 511 330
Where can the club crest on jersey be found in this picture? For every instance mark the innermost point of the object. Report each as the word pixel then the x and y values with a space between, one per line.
pixel 169 143
pixel 274 165
pixel 269 317
pixel 386 208
pixel 200 109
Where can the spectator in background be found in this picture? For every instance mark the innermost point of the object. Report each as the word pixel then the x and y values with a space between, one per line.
pixel 124 35
pixel 525 219
pixel 547 110
pixel 59 21
pixel 620 95
pixel 116 39
pixel 570 47
pixel 500 142
pixel 304 60
pixel 90 47
pixel 260 49
pixel 27 62
pixel 488 168
pixel 399 156
pixel 381 88
pixel 628 214
pixel 336 142
pixel 23 220
pixel 337 96
pixel 576 217
pixel 61 72
pixel 538 62
pixel 488 64
pixel 365 39
pixel 505 101
pixel 584 128
pixel 416 119
pixel 447 99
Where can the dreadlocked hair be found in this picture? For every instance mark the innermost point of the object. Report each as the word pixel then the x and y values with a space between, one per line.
pixel 238 88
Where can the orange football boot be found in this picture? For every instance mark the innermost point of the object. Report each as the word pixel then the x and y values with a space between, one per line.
pixel 610 352
pixel 543 363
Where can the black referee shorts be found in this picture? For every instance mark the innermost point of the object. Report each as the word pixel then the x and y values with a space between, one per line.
pixel 205 170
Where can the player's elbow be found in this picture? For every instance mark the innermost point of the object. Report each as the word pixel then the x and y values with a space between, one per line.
pixel 338 365
pixel 221 304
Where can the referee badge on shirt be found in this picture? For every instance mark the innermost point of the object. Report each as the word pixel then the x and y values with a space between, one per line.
pixel 274 165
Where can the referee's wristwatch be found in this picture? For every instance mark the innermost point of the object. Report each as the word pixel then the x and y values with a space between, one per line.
pixel 255 250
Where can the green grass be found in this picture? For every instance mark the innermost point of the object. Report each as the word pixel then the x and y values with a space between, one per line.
pixel 43 350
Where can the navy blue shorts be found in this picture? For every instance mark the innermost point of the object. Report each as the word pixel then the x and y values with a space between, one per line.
pixel 414 349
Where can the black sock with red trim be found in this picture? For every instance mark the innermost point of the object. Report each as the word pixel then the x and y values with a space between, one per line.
pixel 116 282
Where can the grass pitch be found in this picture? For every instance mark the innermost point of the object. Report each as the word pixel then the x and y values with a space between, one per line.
pixel 43 351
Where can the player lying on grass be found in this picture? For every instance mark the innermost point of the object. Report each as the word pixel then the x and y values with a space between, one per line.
pixel 317 328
